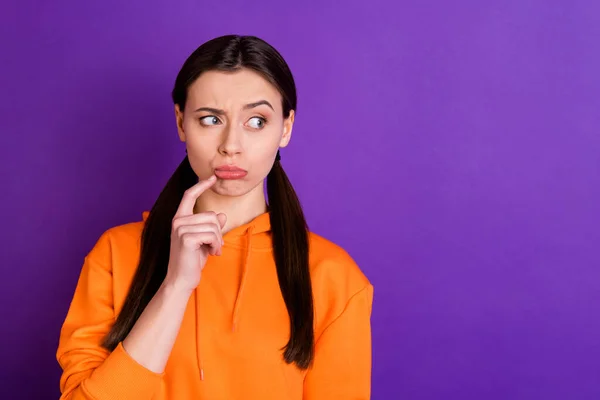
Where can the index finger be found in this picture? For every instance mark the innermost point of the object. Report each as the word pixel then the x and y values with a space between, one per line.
pixel 186 206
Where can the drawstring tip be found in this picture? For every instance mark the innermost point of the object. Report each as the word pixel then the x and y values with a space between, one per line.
pixel 233 327
pixel 201 374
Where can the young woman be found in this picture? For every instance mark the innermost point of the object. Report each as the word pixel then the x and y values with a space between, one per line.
pixel 217 294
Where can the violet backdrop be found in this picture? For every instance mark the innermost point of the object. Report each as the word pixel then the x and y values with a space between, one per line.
pixel 451 147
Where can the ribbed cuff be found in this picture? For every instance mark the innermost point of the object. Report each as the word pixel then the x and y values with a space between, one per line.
pixel 121 377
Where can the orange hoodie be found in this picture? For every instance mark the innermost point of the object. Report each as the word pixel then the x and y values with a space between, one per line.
pixel 235 325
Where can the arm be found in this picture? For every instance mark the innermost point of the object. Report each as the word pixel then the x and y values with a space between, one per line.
pixel 134 368
pixel 151 339
pixel 342 364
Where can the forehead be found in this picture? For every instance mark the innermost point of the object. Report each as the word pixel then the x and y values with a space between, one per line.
pixel 231 89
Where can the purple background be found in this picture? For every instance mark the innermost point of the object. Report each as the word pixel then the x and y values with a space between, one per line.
pixel 463 136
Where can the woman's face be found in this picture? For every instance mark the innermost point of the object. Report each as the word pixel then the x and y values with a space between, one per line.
pixel 233 119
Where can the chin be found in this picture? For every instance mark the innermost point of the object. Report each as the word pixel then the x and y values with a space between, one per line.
pixel 231 188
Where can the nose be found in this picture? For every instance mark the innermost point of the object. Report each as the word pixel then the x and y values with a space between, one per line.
pixel 231 143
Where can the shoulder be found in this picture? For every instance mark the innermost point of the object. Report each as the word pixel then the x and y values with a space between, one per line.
pixel 118 243
pixel 329 258
pixel 335 276
pixel 116 255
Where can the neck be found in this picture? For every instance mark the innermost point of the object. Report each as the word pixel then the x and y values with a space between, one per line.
pixel 239 209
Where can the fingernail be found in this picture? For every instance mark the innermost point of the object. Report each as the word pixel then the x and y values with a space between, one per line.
pixel 212 178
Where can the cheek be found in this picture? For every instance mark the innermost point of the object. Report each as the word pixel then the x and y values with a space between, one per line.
pixel 200 151
pixel 261 160
pixel 270 137
pixel 199 138
pixel 189 124
pixel 262 151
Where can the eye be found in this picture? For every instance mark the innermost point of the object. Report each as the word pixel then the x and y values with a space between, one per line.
pixel 257 122
pixel 209 120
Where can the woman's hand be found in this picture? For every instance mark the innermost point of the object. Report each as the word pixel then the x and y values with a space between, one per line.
pixel 193 238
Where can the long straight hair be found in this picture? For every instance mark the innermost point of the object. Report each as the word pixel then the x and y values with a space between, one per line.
pixel 288 225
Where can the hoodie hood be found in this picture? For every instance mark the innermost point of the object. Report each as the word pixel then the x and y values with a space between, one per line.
pixel 255 234
pixel 246 237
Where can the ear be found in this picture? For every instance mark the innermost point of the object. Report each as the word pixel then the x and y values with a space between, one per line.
pixel 179 120
pixel 288 124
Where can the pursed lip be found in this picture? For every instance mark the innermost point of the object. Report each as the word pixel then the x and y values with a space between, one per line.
pixel 230 168
pixel 230 172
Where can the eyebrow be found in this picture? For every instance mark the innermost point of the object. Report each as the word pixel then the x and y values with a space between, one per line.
pixel 258 103
pixel 246 107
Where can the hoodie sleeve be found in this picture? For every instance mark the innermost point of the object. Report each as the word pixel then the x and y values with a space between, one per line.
pixel 342 363
pixel 90 372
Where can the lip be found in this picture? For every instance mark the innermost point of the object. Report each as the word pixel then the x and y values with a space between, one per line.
pixel 229 168
pixel 230 172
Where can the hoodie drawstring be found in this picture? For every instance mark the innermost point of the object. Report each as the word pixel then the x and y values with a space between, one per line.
pixel 198 353
pixel 236 307
pixel 238 300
